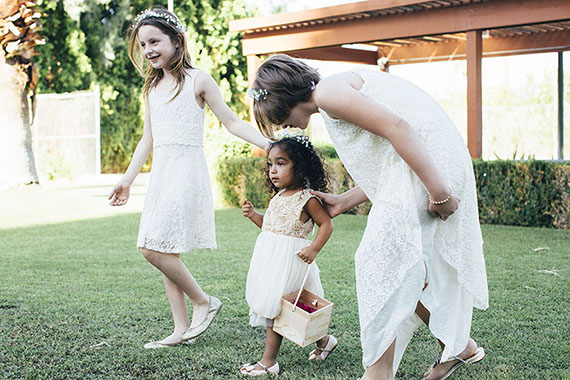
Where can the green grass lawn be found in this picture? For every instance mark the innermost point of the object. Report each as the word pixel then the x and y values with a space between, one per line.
pixel 78 301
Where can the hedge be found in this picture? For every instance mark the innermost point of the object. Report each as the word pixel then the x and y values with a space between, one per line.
pixel 532 193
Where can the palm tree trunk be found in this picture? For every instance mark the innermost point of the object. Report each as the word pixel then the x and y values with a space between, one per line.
pixel 17 165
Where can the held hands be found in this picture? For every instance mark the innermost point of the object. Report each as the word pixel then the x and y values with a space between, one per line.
pixel 307 254
pixel 119 195
pixel 247 209
pixel 445 210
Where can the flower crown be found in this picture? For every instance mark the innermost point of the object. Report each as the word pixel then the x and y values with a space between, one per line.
pixel 261 93
pixel 301 139
pixel 148 13
pixel 257 93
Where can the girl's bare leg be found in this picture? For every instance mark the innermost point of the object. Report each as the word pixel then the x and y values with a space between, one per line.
pixel 382 369
pixel 272 344
pixel 180 281
pixel 441 369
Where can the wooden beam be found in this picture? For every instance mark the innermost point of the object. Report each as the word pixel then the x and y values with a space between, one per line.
pixel 315 14
pixel 488 15
pixel 492 47
pixel 474 94
pixel 338 54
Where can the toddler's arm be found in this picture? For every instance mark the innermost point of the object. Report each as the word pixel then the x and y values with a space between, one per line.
pixel 249 212
pixel 322 219
pixel 208 89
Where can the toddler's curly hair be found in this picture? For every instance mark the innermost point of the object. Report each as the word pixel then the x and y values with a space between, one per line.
pixel 308 165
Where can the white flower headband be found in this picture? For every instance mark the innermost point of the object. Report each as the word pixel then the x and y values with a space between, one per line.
pixel 148 13
pixel 301 139
pixel 257 93
pixel 261 93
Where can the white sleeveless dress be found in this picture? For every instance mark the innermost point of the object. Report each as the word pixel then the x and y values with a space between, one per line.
pixel 403 246
pixel 178 213
pixel 275 269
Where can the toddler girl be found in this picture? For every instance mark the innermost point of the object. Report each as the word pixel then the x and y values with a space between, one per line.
pixel 278 263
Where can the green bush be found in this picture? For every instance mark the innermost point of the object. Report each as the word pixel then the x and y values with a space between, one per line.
pixel 243 178
pixel 532 193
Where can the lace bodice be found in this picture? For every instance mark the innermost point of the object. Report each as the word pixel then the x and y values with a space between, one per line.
pixel 178 121
pixel 284 212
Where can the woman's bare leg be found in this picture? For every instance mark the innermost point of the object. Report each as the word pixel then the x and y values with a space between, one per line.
pixel 441 369
pixel 382 369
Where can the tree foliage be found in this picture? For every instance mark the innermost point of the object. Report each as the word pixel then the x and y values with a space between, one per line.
pixel 91 48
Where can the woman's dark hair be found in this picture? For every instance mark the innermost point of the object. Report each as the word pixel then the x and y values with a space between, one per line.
pixel 309 168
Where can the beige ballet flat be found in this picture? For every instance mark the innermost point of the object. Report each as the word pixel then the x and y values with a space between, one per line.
pixel 193 332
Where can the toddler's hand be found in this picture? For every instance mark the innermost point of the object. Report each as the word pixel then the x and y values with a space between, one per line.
pixel 307 254
pixel 247 209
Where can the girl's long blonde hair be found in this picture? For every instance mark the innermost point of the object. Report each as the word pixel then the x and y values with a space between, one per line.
pixel 178 65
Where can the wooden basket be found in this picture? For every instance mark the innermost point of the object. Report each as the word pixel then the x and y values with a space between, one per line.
pixel 299 326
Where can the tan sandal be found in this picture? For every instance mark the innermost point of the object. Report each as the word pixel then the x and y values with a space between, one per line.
pixel 329 347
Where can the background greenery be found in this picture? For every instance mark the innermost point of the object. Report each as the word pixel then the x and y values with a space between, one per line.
pixel 78 301
pixel 531 193
pixel 86 45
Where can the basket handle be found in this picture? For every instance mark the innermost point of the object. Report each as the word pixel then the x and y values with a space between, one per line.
pixel 302 286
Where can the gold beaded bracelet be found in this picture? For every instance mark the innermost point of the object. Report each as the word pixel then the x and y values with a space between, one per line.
pixel 443 201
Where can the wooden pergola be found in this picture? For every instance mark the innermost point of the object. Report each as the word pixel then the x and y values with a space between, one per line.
pixel 392 32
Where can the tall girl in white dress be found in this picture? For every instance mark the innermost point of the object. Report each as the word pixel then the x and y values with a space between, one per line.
pixel 421 254
pixel 178 213
pixel 277 265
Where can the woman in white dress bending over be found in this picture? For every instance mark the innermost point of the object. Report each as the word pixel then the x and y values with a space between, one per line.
pixel 178 213
pixel 420 258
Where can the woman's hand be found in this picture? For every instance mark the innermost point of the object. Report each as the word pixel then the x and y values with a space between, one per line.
pixel 445 210
pixel 247 209
pixel 119 195
pixel 332 202
pixel 307 254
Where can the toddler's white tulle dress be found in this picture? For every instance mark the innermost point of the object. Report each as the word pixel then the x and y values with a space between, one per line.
pixel 178 213
pixel 403 246
pixel 275 269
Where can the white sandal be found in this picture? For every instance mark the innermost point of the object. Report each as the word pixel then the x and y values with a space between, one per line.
pixel 329 347
pixel 477 356
pixel 249 369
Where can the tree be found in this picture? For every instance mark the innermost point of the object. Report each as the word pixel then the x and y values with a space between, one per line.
pixel 18 78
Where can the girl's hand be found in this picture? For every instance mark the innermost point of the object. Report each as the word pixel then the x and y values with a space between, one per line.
pixel 332 202
pixel 444 210
pixel 307 254
pixel 247 209
pixel 119 195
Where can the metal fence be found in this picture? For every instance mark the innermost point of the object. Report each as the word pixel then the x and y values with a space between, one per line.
pixel 67 134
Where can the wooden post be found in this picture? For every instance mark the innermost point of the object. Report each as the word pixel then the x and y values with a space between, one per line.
pixel 474 51
pixel 560 105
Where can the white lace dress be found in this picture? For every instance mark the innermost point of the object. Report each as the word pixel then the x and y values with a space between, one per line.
pixel 275 269
pixel 178 213
pixel 403 246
